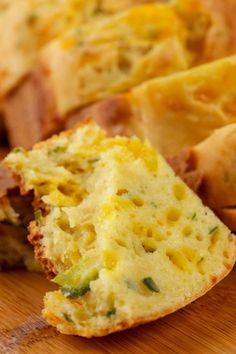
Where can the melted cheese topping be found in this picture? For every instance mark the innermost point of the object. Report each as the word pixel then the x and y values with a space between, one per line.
pixel 128 238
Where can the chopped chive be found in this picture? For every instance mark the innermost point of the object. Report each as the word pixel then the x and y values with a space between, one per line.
pixel 67 317
pixel 80 44
pixel 31 19
pixel 98 11
pixel 17 149
pixel 38 215
pixel 200 260
pixel 130 284
pixel 214 229
pixel 56 149
pixel 94 160
pixel 111 313
pixel 150 284
pixel 154 204
pixel 73 293
pixel 194 216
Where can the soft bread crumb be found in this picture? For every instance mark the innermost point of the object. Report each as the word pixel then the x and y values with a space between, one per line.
pixel 128 240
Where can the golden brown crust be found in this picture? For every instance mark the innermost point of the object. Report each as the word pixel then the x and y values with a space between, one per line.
pixel 22 114
pixel 215 158
pixel 3 135
pixel 51 121
pixel 4 150
pixel 112 114
pixel 228 216
pixel 35 238
pixel 184 166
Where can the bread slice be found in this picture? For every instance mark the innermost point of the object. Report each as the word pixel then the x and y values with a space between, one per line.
pixel 128 240
pixel 211 26
pixel 32 24
pixel 117 61
pixel 113 55
pixel 27 102
pixel 209 169
pixel 215 159
pixel 174 112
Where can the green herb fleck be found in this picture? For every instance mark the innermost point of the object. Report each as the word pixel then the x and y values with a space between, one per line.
pixel 94 160
pixel 111 313
pixel 154 204
pixel 200 260
pixel 17 149
pixel 98 11
pixel 150 284
pixel 31 19
pixel 73 293
pixel 56 149
pixel 194 216
pixel 130 284
pixel 37 215
pixel 67 317
pixel 214 229
pixel 80 43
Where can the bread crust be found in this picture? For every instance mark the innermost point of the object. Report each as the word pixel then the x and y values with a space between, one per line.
pixel 112 114
pixel 184 166
pixel 35 238
pixel 22 112
pixel 228 216
pixel 209 170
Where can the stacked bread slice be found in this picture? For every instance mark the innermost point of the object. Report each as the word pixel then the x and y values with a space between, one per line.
pixel 31 24
pixel 99 48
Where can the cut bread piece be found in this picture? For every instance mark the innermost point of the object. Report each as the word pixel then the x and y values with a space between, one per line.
pixel 113 55
pixel 110 61
pixel 174 112
pixel 32 24
pixel 215 159
pixel 56 90
pixel 128 240
pixel 211 27
pixel 209 169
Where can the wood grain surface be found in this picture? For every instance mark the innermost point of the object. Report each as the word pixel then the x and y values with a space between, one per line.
pixel 206 326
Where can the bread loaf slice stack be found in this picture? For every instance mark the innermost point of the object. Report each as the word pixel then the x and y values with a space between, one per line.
pixel 128 241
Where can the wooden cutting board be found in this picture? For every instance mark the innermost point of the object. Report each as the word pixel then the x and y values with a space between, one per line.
pixel 206 326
